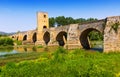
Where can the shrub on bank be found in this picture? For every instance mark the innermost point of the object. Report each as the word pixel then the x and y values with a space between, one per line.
pixel 17 42
pixel 4 41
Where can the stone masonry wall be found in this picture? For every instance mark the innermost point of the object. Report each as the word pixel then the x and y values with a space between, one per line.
pixel 111 37
pixel 73 37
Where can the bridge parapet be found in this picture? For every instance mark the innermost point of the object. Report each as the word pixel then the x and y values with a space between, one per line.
pixel 96 21
pixel 98 25
pixel 62 28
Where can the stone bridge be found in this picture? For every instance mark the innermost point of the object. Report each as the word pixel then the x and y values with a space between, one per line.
pixel 74 35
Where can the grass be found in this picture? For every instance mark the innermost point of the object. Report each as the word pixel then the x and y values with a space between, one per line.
pixel 66 63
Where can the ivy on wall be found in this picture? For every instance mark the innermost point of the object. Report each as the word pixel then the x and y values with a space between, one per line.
pixel 115 27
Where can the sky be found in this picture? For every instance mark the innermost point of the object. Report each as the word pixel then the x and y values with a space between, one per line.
pixel 20 15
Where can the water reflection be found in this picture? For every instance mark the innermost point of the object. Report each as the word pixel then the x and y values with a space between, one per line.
pixel 14 50
pixel 27 49
pixel 97 49
pixel 97 46
pixel 7 49
pixel 46 49
pixel 24 49
pixel 34 48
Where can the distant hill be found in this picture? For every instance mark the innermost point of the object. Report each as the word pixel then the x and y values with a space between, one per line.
pixel 4 33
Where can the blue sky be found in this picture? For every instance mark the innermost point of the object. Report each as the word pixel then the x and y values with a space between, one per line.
pixel 20 15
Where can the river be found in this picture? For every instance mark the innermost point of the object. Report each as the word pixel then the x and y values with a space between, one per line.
pixel 96 46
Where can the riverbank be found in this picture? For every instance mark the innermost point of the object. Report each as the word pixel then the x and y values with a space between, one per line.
pixel 18 57
pixel 21 53
pixel 66 63
pixel 25 52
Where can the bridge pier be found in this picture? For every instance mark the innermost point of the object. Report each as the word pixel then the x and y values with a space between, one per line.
pixel 39 38
pixel 73 37
pixel 112 35
pixel 53 35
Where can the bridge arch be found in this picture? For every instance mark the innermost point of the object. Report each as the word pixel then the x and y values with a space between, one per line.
pixel 84 37
pixel 13 36
pixel 24 37
pixel 46 37
pixel 34 37
pixel 61 38
pixel 17 38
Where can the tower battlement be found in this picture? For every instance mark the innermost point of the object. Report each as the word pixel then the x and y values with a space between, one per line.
pixel 42 21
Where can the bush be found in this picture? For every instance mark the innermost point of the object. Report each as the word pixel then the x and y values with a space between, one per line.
pixel 59 55
pixel 18 42
pixel 40 46
pixel 61 50
pixel 6 41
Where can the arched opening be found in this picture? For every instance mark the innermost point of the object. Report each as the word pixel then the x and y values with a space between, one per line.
pixel 12 36
pixel 34 38
pixel 61 38
pixel 91 37
pixel 17 38
pixel 44 27
pixel 46 37
pixel 25 37
pixel 44 16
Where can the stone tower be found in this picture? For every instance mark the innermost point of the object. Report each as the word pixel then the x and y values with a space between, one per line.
pixel 42 20
pixel 42 23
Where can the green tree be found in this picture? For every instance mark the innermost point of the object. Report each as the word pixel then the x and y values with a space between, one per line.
pixel 91 19
pixel 51 21
pixel 95 35
pixel 61 20
pixel 80 20
pixel 69 20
